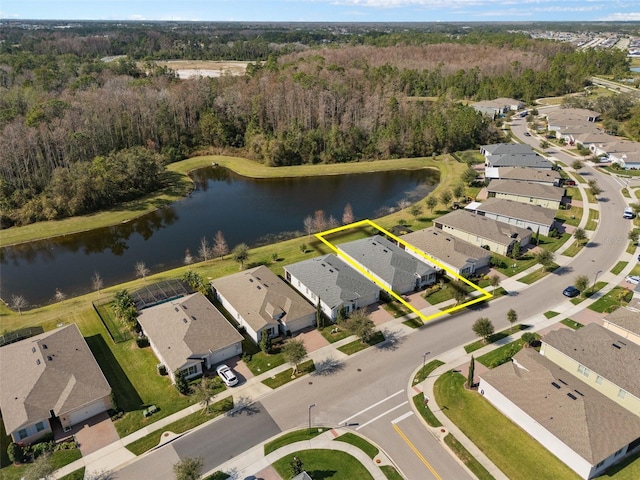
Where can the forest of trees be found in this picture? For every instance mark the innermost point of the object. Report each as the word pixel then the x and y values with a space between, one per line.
pixel 81 133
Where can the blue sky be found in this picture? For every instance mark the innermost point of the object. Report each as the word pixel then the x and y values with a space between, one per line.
pixel 324 10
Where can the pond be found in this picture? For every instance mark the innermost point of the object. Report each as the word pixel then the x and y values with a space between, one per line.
pixel 245 210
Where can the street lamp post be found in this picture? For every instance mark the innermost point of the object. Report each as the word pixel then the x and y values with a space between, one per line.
pixel 596 280
pixel 424 359
pixel 310 407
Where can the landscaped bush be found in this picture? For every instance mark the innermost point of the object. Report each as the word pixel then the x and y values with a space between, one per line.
pixel 15 452
pixel 142 342
pixel 162 369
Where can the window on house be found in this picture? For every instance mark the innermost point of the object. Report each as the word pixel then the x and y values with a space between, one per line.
pixel 583 370
pixel 39 426
pixel 619 452
pixel 599 380
pixel 192 370
pixel 22 433
pixel 599 464
pixel 622 394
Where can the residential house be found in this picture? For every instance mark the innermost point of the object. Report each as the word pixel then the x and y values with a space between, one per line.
pixel 506 149
pixel 627 160
pixel 50 381
pixel 544 176
pixel 525 215
pixel 526 192
pixel 497 107
pixel 389 264
pixel 625 321
pixel 334 283
pixel 564 117
pixel 459 256
pixel 189 334
pixel 571 419
pixel 615 149
pixel 601 358
pixel 484 232
pixel 524 160
pixel 263 303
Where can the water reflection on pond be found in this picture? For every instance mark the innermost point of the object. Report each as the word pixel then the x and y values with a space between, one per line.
pixel 245 210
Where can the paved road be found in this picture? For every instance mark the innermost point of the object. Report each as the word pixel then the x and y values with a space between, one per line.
pixel 369 391
pixel 215 443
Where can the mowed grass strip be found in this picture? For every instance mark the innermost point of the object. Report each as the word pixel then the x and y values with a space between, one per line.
pixel 287 376
pixel 469 460
pixel 358 345
pixel 324 464
pixel 359 442
pixel 391 473
pixel 147 442
pixel 512 450
pixel 291 437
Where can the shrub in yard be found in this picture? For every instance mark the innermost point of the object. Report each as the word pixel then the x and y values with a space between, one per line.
pixel 265 342
pixel 15 452
pixel 142 342
pixel 528 338
pixel 162 369
pixel 181 382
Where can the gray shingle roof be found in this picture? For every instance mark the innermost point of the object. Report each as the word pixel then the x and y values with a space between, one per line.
pixel 386 259
pixel 445 247
pixel 518 210
pixel 51 371
pixel 592 346
pixel 508 148
pixel 627 317
pixel 501 233
pixel 529 189
pixel 518 160
pixel 257 292
pixel 332 279
pixel 185 327
pixel 529 174
pixel 570 116
pixel 593 426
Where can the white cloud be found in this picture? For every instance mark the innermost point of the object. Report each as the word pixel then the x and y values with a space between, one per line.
pixel 622 17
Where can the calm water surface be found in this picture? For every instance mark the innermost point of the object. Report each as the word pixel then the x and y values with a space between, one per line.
pixel 245 210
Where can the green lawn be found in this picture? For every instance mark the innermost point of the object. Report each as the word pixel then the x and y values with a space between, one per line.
pixel 291 437
pixel 261 362
pixel 469 460
pixel 413 322
pixel 551 314
pixel 572 216
pixel 118 332
pixel 180 426
pixel 571 324
pixel 390 472
pixel 588 292
pixel 424 372
pixel 396 309
pixel 58 459
pixel 502 354
pixel 75 475
pixel 513 451
pixel 574 249
pixel 425 411
pixel 592 222
pixel 538 274
pixel 357 345
pixel 359 442
pixel 478 344
pixel 619 267
pixel 333 333
pixel 287 376
pixel 608 303
pixel 325 465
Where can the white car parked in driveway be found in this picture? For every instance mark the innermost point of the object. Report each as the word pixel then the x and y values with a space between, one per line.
pixel 633 279
pixel 226 374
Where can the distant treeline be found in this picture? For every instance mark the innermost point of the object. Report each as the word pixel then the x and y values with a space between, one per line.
pixel 65 114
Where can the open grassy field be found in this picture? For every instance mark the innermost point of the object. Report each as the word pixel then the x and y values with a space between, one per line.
pixel 325 464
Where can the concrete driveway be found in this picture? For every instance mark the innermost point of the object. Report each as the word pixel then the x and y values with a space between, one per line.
pixel 95 433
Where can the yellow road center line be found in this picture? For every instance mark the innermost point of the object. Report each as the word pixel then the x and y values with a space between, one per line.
pixel 416 451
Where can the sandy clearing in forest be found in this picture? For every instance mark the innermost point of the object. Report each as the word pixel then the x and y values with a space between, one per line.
pixel 205 68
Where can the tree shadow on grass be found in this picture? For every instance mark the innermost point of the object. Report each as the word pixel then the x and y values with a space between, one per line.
pixel 127 397
pixel 328 367
pixel 322 474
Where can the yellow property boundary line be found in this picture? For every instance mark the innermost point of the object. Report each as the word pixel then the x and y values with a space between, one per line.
pixel 320 236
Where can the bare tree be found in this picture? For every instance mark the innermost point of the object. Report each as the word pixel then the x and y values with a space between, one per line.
pixel 96 282
pixel 347 215
pixel 18 302
pixel 204 251
pixel 404 203
pixel 332 222
pixel 188 259
pixel 220 247
pixel 308 225
pixel 60 295
pixel 142 270
pixel 319 221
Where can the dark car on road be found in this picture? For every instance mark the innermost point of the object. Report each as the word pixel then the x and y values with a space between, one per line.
pixel 571 291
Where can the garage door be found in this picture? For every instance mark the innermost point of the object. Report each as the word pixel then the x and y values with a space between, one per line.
pixel 222 355
pixel 86 412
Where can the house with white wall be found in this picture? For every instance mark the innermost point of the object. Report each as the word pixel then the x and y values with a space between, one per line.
pixel 527 192
pixel 525 215
pixel 189 334
pixel 332 282
pixel 625 321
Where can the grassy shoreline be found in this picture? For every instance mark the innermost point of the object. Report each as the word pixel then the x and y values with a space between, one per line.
pixel 179 184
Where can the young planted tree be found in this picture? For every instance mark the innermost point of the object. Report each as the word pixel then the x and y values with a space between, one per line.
pixel 296 466
pixel 415 210
pixel 182 385
pixel 319 315
pixel 445 198
pixel 347 215
pixel 124 308
pixel 294 352
pixel 472 372
pixel 308 225
pixel 141 270
pixel 494 281
pixel 459 191
pixel 431 202
pixel 483 328
pixel 580 235
pixel 42 468
pixel 189 468
pixel 634 235
pixel 512 316
pixel 188 258
pixel 203 392
pixel 18 302
pixel 545 258
pixel 204 250
pixel 220 247
pixel 240 254
pixel 515 251
pixel 577 165
pixel 96 282
pixel 581 282
pixel 360 325
pixel 265 342
pixel 469 176
pixel 594 187
pixel 459 291
pixel 544 144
